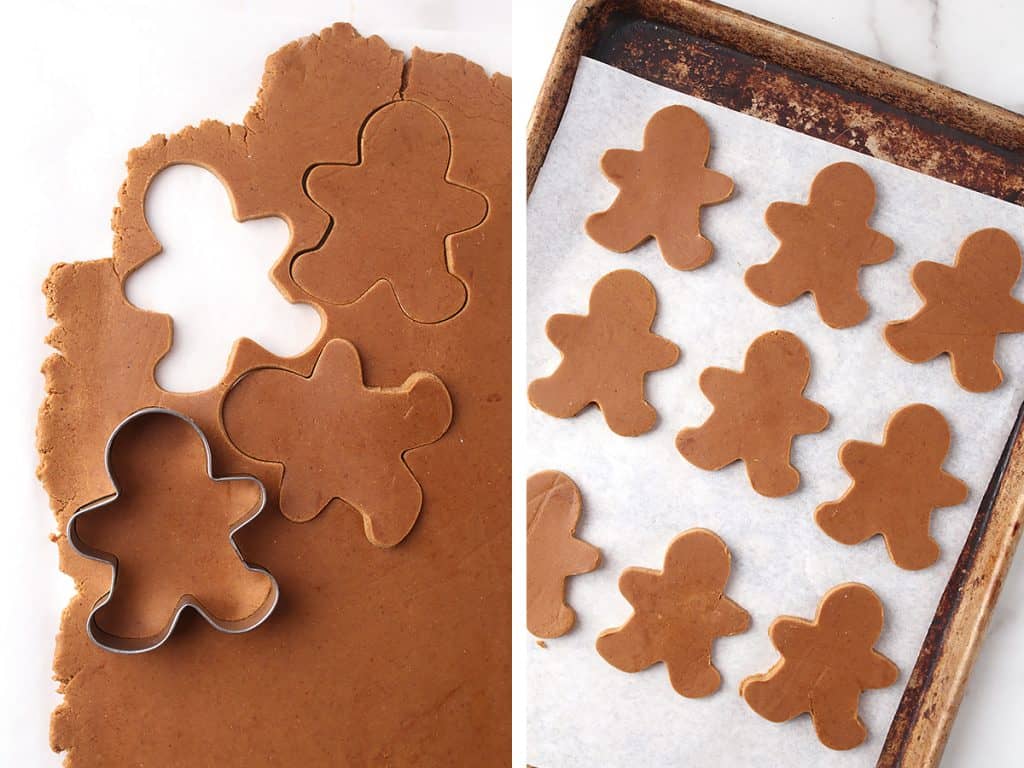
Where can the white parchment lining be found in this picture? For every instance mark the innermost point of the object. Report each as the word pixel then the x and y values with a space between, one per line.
pixel 639 493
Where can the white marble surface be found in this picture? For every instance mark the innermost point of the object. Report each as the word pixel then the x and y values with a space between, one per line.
pixel 971 45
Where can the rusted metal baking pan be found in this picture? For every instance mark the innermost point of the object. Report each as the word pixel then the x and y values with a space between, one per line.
pixel 752 66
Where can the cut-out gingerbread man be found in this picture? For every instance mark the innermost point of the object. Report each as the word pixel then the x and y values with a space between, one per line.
pixel 662 188
pixel 606 354
pixel 825 666
pixel 896 486
pixel 823 246
pixel 966 307
pixel 339 439
pixel 678 614
pixel 757 413
pixel 553 553
pixel 376 233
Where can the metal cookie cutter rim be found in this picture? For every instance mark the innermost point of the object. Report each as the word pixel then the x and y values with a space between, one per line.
pixel 134 645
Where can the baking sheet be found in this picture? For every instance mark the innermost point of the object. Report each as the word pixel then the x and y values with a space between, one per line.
pixel 639 493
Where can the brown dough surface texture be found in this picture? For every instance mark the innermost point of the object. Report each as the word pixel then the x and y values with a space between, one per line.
pixel 678 613
pixel 966 307
pixel 662 188
pixel 896 486
pixel 374 656
pixel 823 245
pixel 757 413
pixel 170 531
pixel 401 179
pixel 826 664
pixel 606 354
pixel 553 553
pixel 338 438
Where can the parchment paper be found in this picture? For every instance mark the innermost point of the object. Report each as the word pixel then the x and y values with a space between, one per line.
pixel 639 493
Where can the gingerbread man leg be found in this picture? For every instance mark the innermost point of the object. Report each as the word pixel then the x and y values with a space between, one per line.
pixel 635 419
pixel 839 302
pixel 834 702
pixel 771 477
pixel 913 546
pixel 682 245
pixel 974 365
pixel 912 342
pixel 698 447
pixel 692 674
pixel 619 647
pixel 770 282
pixel 617 228
pixel 769 695
pixel 431 296
pixel 557 395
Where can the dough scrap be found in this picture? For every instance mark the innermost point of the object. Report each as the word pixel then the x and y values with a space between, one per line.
pixel 606 354
pixel 966 307
pixel 757 413
pixel 896 486
pixel 160 465
pixel 338 438
pixel 662 188
pixel 826 664
pixel 678 613
pixel 822 247
pixel 404 157
pixel 421 631
pixel 553 507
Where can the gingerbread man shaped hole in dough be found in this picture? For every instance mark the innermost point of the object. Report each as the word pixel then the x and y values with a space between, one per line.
pixel 606 354
pixel 662 188
pixel 826 664
pixel 678 613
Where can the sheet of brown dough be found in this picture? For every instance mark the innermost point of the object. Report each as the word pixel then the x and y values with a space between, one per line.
pixel 404 157
pixel 826 664
pixel 678 613
pixel 757 413
pixel 553 553
pixel 337 438
pixel 606 354
pixel 896 486
pixel 966 307
pixel 662 188
pixel 823 245
pixel 375 656
pixel 170 531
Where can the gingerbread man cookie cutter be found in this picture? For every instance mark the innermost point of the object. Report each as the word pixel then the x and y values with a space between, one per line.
pixel 135 645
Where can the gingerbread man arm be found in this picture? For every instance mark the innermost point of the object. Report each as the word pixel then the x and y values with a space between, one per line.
pixel 559 328
pixel 784 219
pixel 423 411
pixel 619 164
pixel 789 633
pixel 717 187
pixel 729 618
pixel 635 583
pixel 949 490
pixel 877 248
pixel 810 416
pixel 580 557
pixel 660 353
pixel 878 671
